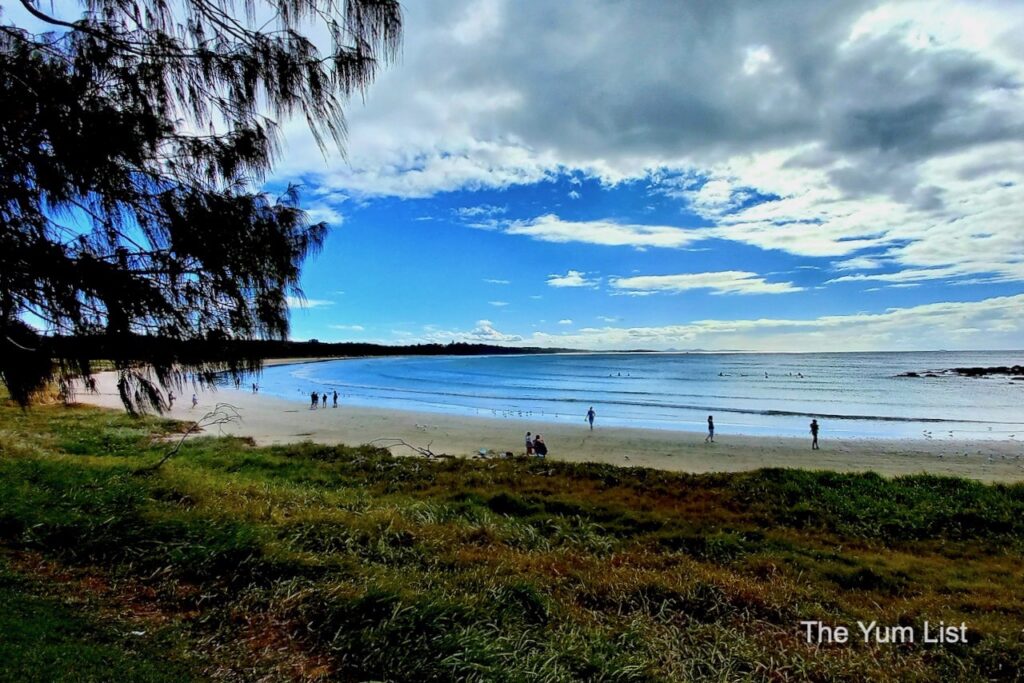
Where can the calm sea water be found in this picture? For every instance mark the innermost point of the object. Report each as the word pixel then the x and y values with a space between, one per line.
pixel 851 394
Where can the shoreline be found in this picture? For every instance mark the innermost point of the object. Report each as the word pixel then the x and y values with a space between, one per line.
pixel 270 420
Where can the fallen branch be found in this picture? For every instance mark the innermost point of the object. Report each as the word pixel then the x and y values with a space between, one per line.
pixel 222 414
pixel 424 451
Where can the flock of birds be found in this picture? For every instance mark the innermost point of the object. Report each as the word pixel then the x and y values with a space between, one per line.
pixel 928 434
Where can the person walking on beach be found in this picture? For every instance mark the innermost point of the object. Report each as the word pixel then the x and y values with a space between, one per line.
pixel 539 447
pixel 710 438
pixel 814 435
pixel 335 398
pixel 590 417
pixel 314 400
pixel 324 399
pixel 195 400
pixel 529 444
pixel 170 400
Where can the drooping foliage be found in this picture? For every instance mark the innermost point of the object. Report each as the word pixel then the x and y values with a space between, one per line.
pixel 135 136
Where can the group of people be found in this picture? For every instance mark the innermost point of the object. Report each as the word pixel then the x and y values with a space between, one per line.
pixel 710 438
pixel 535 445
pixel 535 442
pixel 316 399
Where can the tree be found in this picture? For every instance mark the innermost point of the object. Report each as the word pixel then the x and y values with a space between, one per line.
pixel 133 143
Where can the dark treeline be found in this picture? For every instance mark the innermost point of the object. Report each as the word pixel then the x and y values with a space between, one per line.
pixel 250 352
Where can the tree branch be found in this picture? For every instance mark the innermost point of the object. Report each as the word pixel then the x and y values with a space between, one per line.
pixel 222 414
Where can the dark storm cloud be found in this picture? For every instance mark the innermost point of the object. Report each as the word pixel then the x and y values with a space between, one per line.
pixel 655 82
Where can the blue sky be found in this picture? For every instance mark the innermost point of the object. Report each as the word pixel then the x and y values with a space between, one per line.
pixel 699 175
pixel 793 175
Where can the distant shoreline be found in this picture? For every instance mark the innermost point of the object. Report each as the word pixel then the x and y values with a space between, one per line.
pixel 765 416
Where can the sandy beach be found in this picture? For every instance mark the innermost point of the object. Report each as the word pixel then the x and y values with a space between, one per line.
pixel 271 420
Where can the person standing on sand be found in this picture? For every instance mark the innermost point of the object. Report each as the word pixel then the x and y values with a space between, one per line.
pixel 324 399
pixel 814 435
pixel 314 400
pixel 170 400
pixel 529 444
pixel 710 438
pixel 195 400
pixel 590 417
pixel 335 398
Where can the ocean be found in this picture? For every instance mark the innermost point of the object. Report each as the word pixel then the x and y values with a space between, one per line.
pixel 850 394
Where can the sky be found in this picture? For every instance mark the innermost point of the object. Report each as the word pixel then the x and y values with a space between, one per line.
pixel 783 176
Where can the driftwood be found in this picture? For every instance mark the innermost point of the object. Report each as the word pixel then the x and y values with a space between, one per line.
pixel 222 414
pixel 421 450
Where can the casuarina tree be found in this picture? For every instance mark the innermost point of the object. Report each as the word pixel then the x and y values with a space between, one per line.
pixel 135 138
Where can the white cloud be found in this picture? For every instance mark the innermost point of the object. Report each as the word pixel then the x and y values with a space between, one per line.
pixel 995 323
pixel 321 212
pixel 551 228
pixel 896 127
pixel 573 278
pixel 910 275
pixel 858 263
pixel 496 282
pixel 499 304
pixel 483 333
pixel 565 321
pixel 758 59
pixel 722 282
pixel 1000 322
pixel 481 210
pixel 297 302
pixel 350 328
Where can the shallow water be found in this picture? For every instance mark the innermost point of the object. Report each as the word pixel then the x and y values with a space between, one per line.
pixel 851 394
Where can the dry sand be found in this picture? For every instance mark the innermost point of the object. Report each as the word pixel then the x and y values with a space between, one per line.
pixel 271 420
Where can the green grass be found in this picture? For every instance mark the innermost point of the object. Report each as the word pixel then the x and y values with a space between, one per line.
pixel 361 566
pixel 43 640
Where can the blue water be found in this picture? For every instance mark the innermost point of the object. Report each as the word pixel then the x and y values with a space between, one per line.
pixel 851 394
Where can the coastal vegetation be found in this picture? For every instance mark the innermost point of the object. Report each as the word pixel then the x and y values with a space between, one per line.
pixel 316 562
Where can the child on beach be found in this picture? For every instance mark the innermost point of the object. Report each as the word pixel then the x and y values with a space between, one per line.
pixel 814 435
pixel 529 444
pixel 710 438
